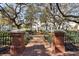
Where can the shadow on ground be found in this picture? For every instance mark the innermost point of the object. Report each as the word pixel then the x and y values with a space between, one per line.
pixel 71 47
pixel 36 50
pixel 40 50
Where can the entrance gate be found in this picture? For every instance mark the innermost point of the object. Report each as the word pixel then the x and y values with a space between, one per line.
pixel 18 46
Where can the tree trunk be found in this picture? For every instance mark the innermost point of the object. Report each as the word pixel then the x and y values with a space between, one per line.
pixel 18 26
pixel 31 26
pixel 46 26
pixel 31 23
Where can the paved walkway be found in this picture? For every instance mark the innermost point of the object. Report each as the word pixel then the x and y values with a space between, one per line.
pixel 40 47
pixel 37 47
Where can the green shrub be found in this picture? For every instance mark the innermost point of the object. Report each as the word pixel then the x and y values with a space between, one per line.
pixel 47 36
pixel 73 36
pixel 27 38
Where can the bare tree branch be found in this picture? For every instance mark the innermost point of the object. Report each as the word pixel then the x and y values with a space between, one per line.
pixel 13 19
pixel 19 9
pixel 10 7
pixel 5 11
pixel 16 13
pixel 73 21
pixel 64 14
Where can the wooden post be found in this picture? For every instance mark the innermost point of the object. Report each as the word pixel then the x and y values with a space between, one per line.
pixel 58 42
pixel 17 45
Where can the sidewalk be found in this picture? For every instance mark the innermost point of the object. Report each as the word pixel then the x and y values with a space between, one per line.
pixel 36 47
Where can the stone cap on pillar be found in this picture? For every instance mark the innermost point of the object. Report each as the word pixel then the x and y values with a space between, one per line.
pixel 17 32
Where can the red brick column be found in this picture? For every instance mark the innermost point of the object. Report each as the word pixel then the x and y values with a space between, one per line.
pixel 58 42
pixel 17 46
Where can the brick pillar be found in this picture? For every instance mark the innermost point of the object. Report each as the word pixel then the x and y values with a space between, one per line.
pixel 17 45
pixel 58 42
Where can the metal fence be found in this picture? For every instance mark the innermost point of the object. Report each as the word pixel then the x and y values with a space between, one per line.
pixel 5 38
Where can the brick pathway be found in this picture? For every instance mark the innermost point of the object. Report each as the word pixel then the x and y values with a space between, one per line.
pixel 37 47
pixel 40 47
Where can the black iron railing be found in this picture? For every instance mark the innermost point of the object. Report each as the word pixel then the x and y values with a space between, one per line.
pixel 5 38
